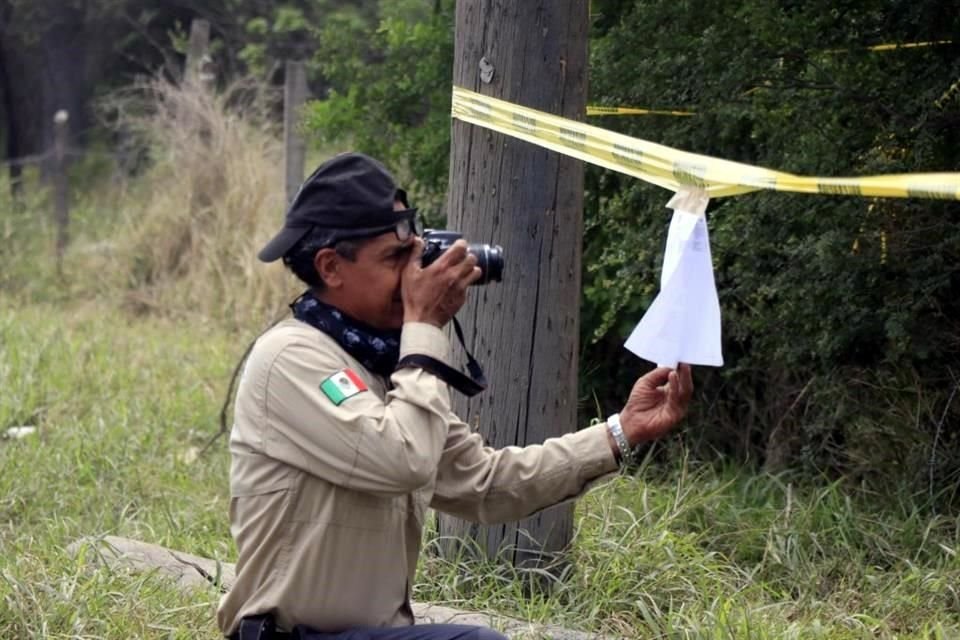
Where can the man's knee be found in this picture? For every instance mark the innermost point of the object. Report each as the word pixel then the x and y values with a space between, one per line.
pixel 489 634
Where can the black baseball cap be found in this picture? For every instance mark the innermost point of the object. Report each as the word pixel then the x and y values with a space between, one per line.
pixel 350 192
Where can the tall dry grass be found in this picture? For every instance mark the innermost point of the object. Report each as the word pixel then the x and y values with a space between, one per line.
pixel 211 197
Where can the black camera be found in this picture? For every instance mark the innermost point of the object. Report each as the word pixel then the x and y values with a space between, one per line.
pixel 489 257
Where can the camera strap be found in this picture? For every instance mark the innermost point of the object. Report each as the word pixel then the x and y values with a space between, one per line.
pixel 469 387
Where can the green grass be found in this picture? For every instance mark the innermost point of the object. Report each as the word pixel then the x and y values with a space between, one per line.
pixel 686 550
pixel 120 407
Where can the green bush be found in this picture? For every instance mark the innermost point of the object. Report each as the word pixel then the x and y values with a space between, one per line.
pixel 840 339
pixel 389 92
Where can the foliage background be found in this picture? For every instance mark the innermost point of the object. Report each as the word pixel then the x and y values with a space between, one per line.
pixel 840 315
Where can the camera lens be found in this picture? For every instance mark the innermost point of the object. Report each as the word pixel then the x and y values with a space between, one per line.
pixel 490 261
pixel 489 257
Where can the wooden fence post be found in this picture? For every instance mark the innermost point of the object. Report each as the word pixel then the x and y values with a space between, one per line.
pixel 294 144
pixel 61 196
pixel 197 52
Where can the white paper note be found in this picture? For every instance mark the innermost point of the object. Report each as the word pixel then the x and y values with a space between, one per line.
pixel 683 323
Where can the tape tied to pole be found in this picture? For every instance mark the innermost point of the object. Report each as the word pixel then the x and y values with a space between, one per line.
pixel 683 322
pixel 673 169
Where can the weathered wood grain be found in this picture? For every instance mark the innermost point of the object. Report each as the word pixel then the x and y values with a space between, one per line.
pixel 529 200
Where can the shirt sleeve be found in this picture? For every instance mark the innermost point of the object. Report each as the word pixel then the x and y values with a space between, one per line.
pixel 486 485
pixel 389 446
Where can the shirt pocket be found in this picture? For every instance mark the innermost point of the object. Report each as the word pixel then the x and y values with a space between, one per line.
pixel 321 501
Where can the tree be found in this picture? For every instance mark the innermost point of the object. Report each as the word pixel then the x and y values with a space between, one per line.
pixel 43 62
pixel 529 200
pixel 388 91
pixel 59 54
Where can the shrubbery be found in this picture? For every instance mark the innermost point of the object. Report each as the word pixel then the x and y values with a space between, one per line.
pixel 840 314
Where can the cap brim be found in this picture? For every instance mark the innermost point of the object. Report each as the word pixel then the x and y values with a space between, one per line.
pixel 281 243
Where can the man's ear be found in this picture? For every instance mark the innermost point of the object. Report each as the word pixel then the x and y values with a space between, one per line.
pixel 327 264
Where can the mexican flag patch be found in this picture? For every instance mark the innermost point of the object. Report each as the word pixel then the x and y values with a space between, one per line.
pixel 342 385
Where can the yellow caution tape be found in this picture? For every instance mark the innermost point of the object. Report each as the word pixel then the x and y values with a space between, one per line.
pixel 948 95
pixel 907 45
pixel 895 46
pixel 596 110
pixel 671 168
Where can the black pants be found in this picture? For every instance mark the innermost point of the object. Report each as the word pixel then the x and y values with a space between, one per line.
pixel 261 628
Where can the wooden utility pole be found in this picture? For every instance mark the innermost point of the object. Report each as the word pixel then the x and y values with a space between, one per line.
pixel 294 143
pixel 530 201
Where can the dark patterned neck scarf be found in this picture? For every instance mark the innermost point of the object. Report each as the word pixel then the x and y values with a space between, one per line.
pixel 378 350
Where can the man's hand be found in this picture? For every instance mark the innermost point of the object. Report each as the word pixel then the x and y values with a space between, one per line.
pixel 435 294
pixel 657 402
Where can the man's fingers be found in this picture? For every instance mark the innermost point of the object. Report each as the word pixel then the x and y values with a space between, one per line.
pixel 680 388
pixel 437 291
pixel 452 256
pixel 466 278
pixel 468 265
pixel 417 250
pixel 656 378
pixel 685 379
pixel 475 274
pixel 413 262
pixel 674 391
pixel 460 273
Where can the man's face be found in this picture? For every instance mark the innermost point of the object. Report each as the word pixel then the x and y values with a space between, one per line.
pixel 371 283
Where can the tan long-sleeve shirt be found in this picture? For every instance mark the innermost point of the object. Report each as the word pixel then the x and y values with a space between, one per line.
pixel 329 497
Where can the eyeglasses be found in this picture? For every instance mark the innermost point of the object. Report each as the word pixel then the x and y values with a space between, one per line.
pixel 406 226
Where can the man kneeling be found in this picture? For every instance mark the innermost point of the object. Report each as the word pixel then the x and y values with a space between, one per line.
pixel 337 453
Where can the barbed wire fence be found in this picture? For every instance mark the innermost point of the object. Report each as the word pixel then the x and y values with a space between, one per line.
pixel 55 162
pixel 74 152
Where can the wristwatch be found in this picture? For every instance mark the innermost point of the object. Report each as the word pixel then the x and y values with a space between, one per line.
pixel 626 451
